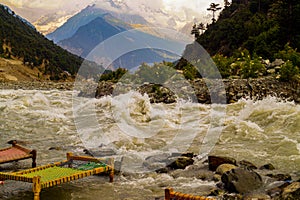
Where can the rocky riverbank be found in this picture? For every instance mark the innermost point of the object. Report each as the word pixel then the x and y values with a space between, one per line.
pixel 35 85
pixel 236 179
pixel 234 89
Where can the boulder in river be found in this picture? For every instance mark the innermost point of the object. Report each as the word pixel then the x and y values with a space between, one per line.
pixel 225 168
pixel 215 161
pixel 258 195
pixel 247 164
pixel 241 180
pixel 181 163
pixel 292 191
pixel 268 166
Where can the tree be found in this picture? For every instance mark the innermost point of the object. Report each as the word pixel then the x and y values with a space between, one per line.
pixel 201 27
pixel 214 7
pixel 195 31
pixel 226 3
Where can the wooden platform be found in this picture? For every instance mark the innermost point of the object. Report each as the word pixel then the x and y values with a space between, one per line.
pixel 16 153
pixel 170 194
pixel 61 172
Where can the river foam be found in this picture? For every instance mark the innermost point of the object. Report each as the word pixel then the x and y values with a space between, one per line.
pixel 265 131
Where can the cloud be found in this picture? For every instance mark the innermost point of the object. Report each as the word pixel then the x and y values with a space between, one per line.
pixel 35 9
pixel 33 3
pixel 158 12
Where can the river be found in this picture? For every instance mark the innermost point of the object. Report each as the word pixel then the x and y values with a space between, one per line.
pixel 265 131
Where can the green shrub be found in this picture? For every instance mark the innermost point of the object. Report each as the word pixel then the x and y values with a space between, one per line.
pixel 190 72
pixel 113 76
pixel 158 73
pixel 288 71
pixel 223 63
pixel 251 68
pixel 289 54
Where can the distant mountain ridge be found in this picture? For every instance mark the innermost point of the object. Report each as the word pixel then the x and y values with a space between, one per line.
pixel 106 26
pixel 91 34
pixel 87 15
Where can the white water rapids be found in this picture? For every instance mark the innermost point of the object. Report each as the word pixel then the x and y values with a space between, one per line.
pixel 266 131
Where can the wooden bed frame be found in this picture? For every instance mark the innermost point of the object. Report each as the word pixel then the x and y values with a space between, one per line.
pixel 170 194
pixel 16 153
pixel 54 174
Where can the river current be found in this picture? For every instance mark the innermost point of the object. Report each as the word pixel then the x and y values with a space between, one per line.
pixel 265 131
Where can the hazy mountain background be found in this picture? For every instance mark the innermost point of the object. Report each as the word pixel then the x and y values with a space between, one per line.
pixel 93 25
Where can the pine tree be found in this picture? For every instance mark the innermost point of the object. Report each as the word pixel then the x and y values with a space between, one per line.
pixel 214 7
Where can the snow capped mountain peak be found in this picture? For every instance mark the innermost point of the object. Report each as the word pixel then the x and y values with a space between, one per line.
pixel 159 13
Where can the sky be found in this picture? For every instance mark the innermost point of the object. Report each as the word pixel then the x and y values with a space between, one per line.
pixel 49 13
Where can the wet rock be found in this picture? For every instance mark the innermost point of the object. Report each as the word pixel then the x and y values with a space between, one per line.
pixel 104 89
pixel 280 177
pixel 189 155
pixel 215 161
pixel 233 197
pixel 17 142
pixel 217 177
pixel 200 172
pixel 225 168
pixel 163 170
pixel 55 148
pixel 181 163
pixel 216 192
pixel 241 180
pixel 275 189
pixel 260 196
pixel 158 93
pixel 267 166
pixel 247 164
pixel 292 191
pixel 101 152
pixel 158 158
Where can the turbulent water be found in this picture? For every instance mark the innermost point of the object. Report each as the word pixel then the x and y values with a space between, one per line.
pixel 139 135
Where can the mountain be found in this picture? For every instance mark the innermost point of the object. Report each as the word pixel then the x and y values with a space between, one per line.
pixel 20 41
pixel 261 26
pixel 91 34
pixel 106 26
pixel 86 16
pixel 48 23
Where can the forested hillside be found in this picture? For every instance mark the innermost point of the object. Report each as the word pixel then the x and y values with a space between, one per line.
pixel 20 41
pixel 250 39
pixel 263 27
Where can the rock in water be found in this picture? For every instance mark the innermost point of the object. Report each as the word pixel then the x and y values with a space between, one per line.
pixel 260 196
pixel 241 180
pixel 247 164
pixel 280 177
pixel 292 191
pixel 215 161
pixel 225 168
pixel 181 163
pixel 267 166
